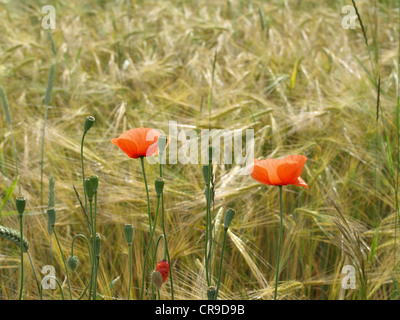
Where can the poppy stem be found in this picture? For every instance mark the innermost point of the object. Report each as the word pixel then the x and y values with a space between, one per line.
pixel 166 246
pixel 83 170
pixel 147 191
pixel 92 248
pixel 148 247
pixel 22 257
pixel 166 251
pixel 65 265
pixel 220 264
pixel 280 244
pixel 130 248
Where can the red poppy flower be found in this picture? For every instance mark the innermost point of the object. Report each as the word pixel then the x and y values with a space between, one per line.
pixel 138 142
pixel 280 172
pixel 163 268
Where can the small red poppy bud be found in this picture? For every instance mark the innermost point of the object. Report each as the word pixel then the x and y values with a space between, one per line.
pixel 163 268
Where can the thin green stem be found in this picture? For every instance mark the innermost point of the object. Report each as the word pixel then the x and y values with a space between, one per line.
pixel 280 243
pixel 154 258
pixel 65 265
pixel 95 278
pixel 130 270
pixel 58 283
pixel 34 271
pixel 166 246
pixel 147 192
pixel 148 248
pixel 83 170
pixel 22 256
pixel 220 264
pixel 79 235
pixel 208 239
pixel 92 240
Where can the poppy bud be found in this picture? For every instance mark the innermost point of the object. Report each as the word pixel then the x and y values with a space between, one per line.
pixel 89 189
pixel 163 268
pixel 73 263
pixel 88 123
pixel 211 293
pixel 206 173
pixel 157 279
pixel 229 215
pixel 20 204
pixel 162 143
pixel 94 180
pixel 97 245
pixel 159 186
pixel 51 219
pixel 128 229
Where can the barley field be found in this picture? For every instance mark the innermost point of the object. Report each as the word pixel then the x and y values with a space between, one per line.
pixel 287 69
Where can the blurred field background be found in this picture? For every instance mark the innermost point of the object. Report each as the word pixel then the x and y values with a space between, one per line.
pixel 286 69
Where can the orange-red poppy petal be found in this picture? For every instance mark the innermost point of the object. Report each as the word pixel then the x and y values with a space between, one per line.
pixel 260 173
pixel 300 183
pixel 163 268
pixel 138 142
pixel 279 172
pixel 290 168
pixel 127 146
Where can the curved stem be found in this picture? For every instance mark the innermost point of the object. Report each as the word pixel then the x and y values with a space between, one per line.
pixel 22 256
pixel 280 244
pixel 154 258
pixel 59 286
pixel 65 265
pixel 90 258
pixel 148 247
pixel 34 271
pixel 220 264
pixel 155 251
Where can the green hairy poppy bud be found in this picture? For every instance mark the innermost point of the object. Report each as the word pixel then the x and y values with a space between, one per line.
pixel 88 123
pixel 159 186
pixel 51 219
pixel 73 263
pixel 206 173
pixel 211 293
pixel 128 229
pixel 20 204
pixel 157 279
pixel 97 245
pixel 94 180
pixel 229 215
pixel 89 189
